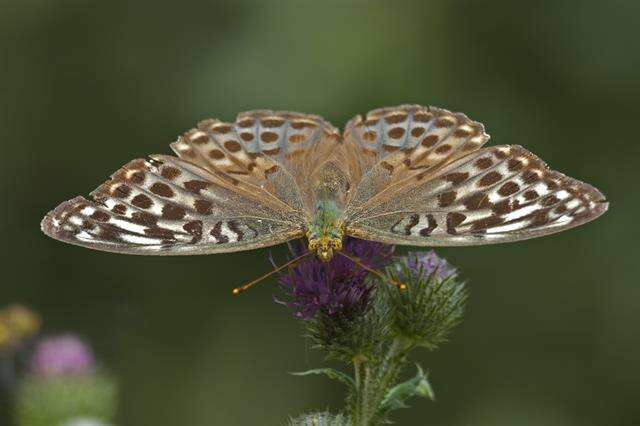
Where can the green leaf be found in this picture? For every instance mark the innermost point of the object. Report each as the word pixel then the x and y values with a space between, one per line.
pixel 417 386
pixel 329 372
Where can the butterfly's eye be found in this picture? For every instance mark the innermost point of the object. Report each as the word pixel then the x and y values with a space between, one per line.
pixel 336 243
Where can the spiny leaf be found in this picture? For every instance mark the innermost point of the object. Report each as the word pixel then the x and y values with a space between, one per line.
pixel 417 386
pixel 329 372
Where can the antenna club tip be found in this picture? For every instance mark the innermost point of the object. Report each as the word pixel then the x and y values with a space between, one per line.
pixel 402 286
pixel 236 291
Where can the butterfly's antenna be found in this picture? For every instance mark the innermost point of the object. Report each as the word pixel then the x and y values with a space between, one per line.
pixel 401 286
pixel 242 289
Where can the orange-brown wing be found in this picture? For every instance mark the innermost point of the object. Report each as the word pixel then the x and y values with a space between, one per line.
pixel 388 148
pixel 235 186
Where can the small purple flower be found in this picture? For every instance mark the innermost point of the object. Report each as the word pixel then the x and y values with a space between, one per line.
pixel 429 262
pixel 59 356
pixel 336 288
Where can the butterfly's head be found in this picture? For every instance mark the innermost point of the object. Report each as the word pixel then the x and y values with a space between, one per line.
pixel 325 246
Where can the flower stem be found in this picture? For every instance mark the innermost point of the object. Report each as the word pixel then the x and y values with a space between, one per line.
pixel 360 378
pixel 371 387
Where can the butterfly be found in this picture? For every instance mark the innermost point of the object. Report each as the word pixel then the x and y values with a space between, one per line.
pixel 408 175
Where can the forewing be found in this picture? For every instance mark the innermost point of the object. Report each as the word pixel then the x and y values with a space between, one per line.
pixel 390 146
pixel 497 194
pixel 283 149
pixel 168 206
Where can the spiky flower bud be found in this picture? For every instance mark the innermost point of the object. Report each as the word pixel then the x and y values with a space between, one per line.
pixel 432 305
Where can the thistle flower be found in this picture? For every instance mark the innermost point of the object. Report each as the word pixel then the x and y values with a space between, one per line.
pixel 429 262
pixel 337 287
pixel 61 356
pixel 426 313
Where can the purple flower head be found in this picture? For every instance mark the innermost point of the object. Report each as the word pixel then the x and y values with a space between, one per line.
pixel 59 356
pixel 336 288
pixel 429 262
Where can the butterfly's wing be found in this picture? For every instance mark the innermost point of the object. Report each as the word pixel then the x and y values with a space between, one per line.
pixel 388 148
pixel 469 196
pixel 226 192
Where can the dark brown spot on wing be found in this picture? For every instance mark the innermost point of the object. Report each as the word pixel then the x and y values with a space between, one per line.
pixel 221 129
pixel 157 232
pixel 446 198
pixel 271 151
pixel 444 122
pixel 485 223
pixel 461 132
pixel 269 137
pixel 549 200
pixel 170 173
pixel 87 226
pixel 530 176
pixel 272 122
pixel 514 164
pixel 247 122
pixel 203 206
pixel 508 188
pixel 137 177
pixel 200 139
pixel 477 201
pixel 246 136
pixel 453 220
pixel 216 154
pixel 196 186
pixel 369 136
pixel 143 201
pixel 387 166
pixel 119 209
pixel 443 148
pixel 396 132
pixel 395 118
pixel 530 194
pixel 233 226
pixel 144 218
pixel 122 191
pixel 431 225
pixel 195 229
pixel 297 138
pixel 484 163
pixel 456 177
pixel 429 141
pixel 173 212
pixel 100 216
pixel 417 132
pixel 216 232
pixel 490 178
pixel 232 146
pixel 162 189
pixel 413 221
pixel 422 117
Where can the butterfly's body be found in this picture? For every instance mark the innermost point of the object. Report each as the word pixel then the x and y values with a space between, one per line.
pixel 326 232
pixel 408 175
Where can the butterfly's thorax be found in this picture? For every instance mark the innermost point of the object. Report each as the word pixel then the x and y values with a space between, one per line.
pixel 325 232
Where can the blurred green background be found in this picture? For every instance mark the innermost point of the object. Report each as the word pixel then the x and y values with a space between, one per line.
pixel 552 332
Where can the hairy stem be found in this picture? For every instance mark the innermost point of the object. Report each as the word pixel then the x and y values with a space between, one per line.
pixel 358 398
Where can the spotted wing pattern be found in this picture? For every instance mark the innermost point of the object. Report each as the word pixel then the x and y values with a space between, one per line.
pixel 491 195
pixel 277 152
pixel 170 206
pixel 391 146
